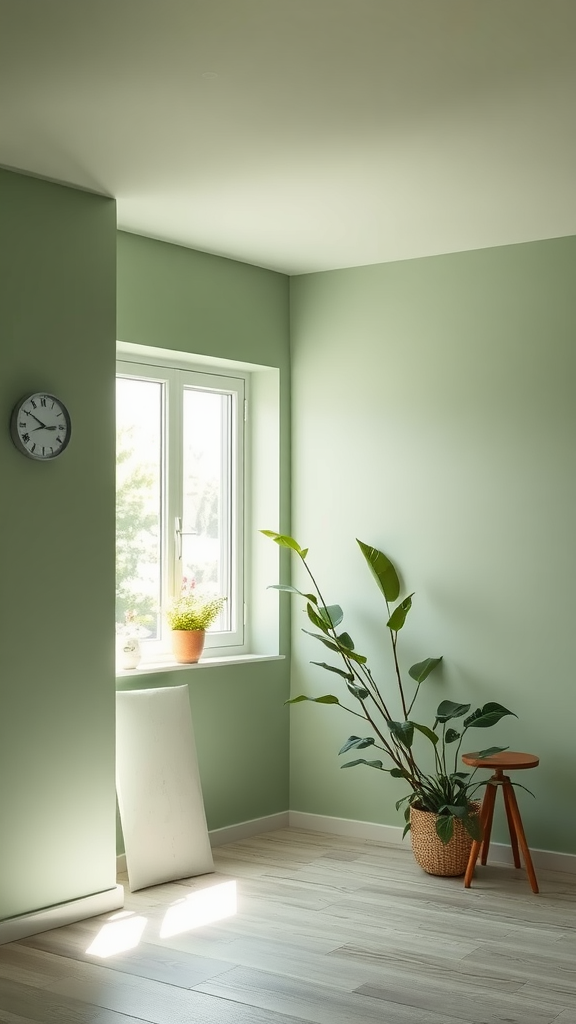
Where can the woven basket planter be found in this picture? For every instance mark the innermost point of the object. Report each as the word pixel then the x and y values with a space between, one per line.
pixel 435 857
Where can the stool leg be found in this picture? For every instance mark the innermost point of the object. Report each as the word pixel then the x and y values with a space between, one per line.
pixel 475 849
pixel 519 829
pixel 506 790
pixel 489 799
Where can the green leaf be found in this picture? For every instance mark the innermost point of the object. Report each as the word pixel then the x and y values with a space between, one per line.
pixel 399 773
pixel 361 760
pixel 357 741
pixel 346 641
pixel 402 801
pixel 448 709
pixel 360 692
pixel 422 669
pixel 334 646
pixel 519 785
pixel 284 541
pixel 398 617
pixel 459 784
pixel 332 614
pixel 382 569
pixel 406 829
pixel 486 716
pixel 316 619
pixel 303 553
pixel 403 731
pixel 328 698
pixel 445 827
pixel 332 668
pixel 452 735
pixel 330 644
pixel 457 810
pixel 488 752
pixel 292 590
pixel 473 826
pixel 426 732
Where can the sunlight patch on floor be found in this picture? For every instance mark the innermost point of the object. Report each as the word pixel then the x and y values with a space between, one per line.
pixel 123 931
pixel 203 906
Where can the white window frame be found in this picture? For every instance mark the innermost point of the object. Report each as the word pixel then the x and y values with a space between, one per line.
pixel 176 375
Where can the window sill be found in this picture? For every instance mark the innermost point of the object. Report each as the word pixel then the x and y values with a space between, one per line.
pixel 168 665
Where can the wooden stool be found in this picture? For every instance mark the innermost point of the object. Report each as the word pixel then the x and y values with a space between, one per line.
pixel 512 760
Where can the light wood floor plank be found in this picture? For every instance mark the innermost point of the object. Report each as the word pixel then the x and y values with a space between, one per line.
pixel 458 1004
pixel 318 1003
pixel 328 930
pixel 155 962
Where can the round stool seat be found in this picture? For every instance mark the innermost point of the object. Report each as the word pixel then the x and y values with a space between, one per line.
pixel 511 760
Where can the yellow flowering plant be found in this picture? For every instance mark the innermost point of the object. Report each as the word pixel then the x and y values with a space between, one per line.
pixel 193 610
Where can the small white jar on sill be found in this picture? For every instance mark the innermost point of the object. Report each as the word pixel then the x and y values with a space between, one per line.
pixel 128 652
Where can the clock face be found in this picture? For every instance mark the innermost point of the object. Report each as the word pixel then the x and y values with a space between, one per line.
pixel 40 426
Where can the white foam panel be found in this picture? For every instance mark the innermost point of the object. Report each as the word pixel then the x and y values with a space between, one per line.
pixel 158 785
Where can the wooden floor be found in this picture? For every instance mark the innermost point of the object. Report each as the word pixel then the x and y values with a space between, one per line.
pixel 326 929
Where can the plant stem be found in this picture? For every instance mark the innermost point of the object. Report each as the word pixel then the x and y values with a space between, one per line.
pixel 458 749
pixel 394 639
pixel 414 698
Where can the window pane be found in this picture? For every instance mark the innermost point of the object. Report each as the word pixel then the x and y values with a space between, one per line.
pixel 138 503
pixel 207 489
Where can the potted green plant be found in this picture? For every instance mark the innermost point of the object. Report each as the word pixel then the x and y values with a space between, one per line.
pixel 189 616
pixel 437 787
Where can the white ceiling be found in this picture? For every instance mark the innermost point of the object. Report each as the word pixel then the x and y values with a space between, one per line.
pixel 301 135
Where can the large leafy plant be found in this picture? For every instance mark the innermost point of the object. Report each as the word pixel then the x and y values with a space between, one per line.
pixel 445 790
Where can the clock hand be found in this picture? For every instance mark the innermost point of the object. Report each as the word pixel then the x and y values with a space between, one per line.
pixel 42 427
pixel 37 420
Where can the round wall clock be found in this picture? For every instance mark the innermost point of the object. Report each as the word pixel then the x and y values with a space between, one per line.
pixel 40 426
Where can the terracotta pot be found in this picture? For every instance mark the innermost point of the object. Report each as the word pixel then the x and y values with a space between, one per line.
pixel 188 645
pixel 434 856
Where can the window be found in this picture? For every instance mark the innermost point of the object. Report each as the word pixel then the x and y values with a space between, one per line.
pixel 180 498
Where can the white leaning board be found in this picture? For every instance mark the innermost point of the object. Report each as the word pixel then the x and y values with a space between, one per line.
pixel 158 786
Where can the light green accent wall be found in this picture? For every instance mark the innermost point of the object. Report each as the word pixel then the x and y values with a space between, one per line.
pixel 190 301
pixel 434 416
pixel 57 796
pixel 176 298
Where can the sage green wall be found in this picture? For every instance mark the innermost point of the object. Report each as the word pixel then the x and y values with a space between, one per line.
pixel 176 298
pixel 57 795
pixel 434 416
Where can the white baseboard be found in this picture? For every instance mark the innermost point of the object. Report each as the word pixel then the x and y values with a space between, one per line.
pixel 346 827
pixel 246 829
pixel 500 853
pixel 63 913
pixel 232 833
